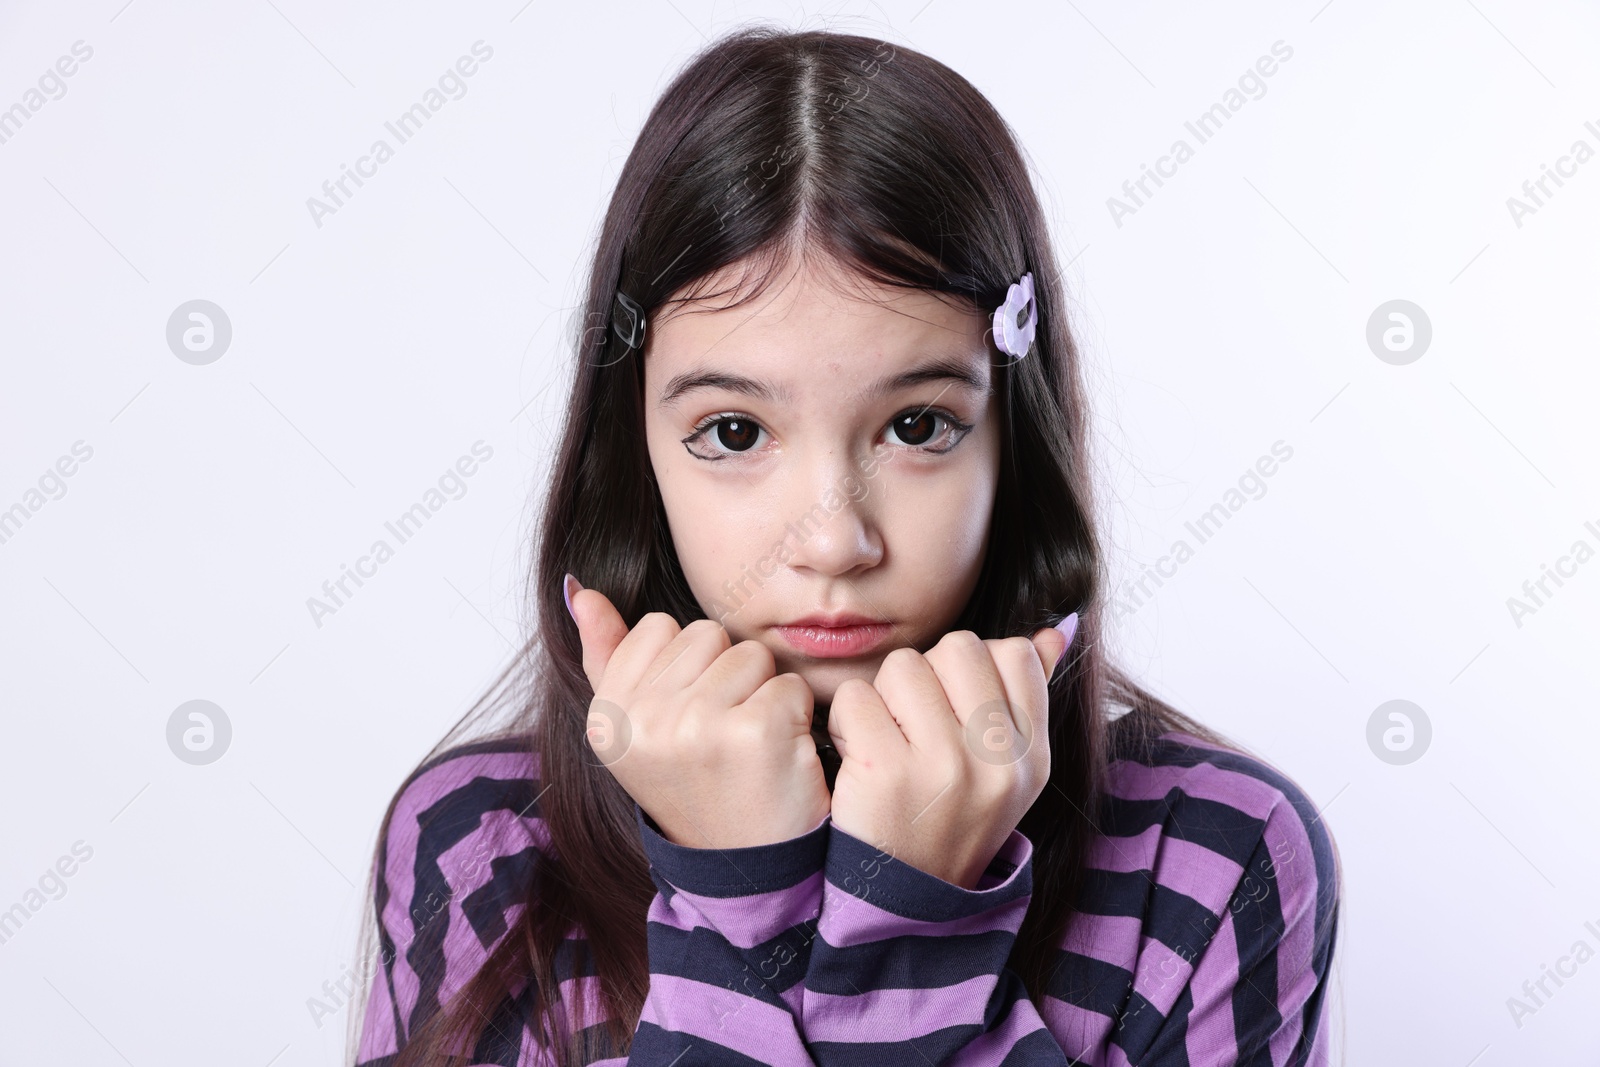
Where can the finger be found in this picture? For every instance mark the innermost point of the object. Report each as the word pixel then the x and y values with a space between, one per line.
pixel 859 721
pixel 967 673
pixel 1051 646
pixel 683 659
pixel 735 674
pixel 912 692
pixel 1068 629
pixel 784 697
pixel 608 643
pixel 1023 675
pixel 600 628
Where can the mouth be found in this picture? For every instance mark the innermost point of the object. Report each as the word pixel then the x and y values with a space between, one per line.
pixel 835 642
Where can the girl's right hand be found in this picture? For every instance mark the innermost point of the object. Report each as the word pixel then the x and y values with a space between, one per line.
pixel 704 737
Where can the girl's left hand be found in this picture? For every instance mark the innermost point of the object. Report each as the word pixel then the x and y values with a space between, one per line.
pixel 943 752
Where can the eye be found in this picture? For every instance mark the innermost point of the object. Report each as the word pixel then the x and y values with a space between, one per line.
pixel 917 427
pixel 729 435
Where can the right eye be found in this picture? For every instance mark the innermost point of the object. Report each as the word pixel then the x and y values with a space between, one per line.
pixel 727 434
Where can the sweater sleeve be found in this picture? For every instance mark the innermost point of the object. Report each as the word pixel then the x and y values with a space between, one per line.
pixel 909 968
pixel 729 936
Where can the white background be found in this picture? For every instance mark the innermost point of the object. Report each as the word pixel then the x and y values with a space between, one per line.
pixel 432 311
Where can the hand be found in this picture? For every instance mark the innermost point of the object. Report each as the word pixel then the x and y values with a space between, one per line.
pixel 944 752
pixel 709 743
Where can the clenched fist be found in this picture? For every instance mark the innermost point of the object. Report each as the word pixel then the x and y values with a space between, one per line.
pixel 700 733
pixel 943 753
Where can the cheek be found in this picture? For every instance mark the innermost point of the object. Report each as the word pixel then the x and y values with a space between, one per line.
pixel 714 531
pixel 944 530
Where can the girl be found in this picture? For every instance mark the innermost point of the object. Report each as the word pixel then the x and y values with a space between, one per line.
pixel 799 771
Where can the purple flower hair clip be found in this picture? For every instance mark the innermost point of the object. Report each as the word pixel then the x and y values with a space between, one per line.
pixel 1012 332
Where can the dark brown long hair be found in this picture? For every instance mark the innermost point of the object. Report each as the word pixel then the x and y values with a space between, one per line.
pixel 766 144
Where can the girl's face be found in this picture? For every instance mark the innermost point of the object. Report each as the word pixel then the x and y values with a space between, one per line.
pixel 823 451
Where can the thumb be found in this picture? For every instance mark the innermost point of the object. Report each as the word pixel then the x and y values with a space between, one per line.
pixel 600 627
pixel 1052 643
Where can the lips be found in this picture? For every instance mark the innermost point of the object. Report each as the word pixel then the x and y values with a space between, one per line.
pixel 838 620
pixel 857 636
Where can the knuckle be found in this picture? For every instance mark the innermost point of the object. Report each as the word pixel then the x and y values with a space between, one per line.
pixel 652 621
pixel 902 657
pixel 788 684
pixel 750 648
pixel 703 626
pixel 1011 650
pixel 957 638
pixel 848 696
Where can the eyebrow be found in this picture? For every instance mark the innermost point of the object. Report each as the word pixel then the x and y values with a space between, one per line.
pixel 942 369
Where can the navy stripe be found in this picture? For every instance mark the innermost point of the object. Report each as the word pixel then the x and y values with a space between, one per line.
pixel 509 879
pixel 762 972
pixel 1211 824
pixel 908 961
pixel 1178 921
pixel 1091 984
pixel 860 869
pixel 731 872
pixel 1257 929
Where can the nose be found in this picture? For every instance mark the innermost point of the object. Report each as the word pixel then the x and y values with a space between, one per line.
pixel 832 514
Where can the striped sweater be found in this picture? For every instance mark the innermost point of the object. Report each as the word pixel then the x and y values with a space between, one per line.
pixel 1203 936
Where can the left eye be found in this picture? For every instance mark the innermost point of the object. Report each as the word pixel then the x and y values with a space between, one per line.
pixel 916 428
pixel 728 435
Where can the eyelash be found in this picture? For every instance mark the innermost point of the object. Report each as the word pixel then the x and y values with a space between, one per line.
pixel 956 427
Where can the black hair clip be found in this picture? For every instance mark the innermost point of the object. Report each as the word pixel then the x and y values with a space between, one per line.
pixel 634 335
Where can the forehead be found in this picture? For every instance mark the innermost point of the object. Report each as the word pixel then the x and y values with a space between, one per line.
pixel 811 314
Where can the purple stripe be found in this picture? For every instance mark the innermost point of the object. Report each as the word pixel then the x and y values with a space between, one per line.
pixel 848 919
pixel 1203 781
pixel 1126 854
pixel 1197 873
pixel 1113 939
pixel 377 1028
pixel 744 921
pixel 718 1016
pixel 407 986
pixel 1161 975
pixel 1211 1018
pixel 879 1015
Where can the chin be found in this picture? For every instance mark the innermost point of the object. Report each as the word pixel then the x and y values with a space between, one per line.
pixel 824 677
